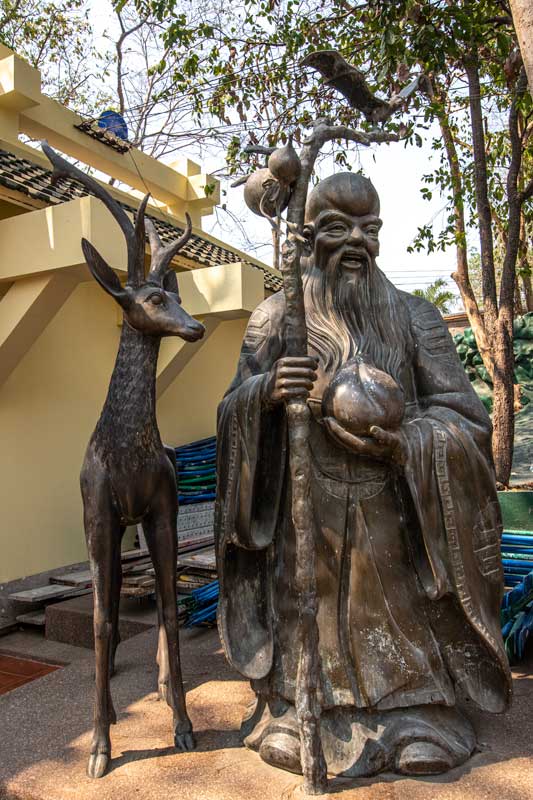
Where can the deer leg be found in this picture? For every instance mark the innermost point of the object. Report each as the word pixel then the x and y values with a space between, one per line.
pixel 162 642
pixel 162 541
pixel 103 542
pixel 115 614
pixel 162 654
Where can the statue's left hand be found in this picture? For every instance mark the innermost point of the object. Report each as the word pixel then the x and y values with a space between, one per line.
pixel 382 445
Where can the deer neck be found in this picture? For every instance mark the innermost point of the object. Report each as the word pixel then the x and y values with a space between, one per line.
pixel 128 419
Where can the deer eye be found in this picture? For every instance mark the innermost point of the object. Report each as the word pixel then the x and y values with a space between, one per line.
pixel 156 299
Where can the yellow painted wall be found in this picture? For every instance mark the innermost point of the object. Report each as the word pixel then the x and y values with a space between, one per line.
pixel 187 410
pixel 48 408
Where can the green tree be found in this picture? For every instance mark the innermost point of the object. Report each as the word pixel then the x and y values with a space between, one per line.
pixel 247 72
pixel 55 37
pixel 437 294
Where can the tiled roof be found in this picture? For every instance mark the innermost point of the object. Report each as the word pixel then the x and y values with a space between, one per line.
pixel 24 176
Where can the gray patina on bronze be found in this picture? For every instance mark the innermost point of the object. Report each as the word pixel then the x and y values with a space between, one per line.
pixel 128 476
pixel 407 522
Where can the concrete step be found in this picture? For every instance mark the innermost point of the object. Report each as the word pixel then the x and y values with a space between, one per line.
pixel 71 621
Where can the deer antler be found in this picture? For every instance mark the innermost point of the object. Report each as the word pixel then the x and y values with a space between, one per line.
pixel 134 235
pixel 162 256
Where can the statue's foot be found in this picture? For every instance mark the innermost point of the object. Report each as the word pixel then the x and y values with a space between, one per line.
pixel 420 740
pixel 281 749
pixel 417 740
pixel 423 758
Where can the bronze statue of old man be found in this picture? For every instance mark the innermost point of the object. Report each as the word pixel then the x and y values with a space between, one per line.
pixel 406 518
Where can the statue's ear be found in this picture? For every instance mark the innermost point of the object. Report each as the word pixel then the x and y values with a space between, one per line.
pixel 309 236
pixel 102 272
pixel 170 281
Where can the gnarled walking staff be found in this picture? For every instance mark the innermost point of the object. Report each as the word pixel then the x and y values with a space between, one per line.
pixel 287 179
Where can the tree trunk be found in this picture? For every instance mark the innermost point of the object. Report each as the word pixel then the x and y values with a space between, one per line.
pixel 528 289
pixel 523 264
pixel 504 394
pixel 522 11
pixel 488 273
pixel 518 305
pixel 503 403
pixel 461 276
pixel 498 323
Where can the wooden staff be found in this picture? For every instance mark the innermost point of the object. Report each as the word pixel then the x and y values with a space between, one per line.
pixel 299 419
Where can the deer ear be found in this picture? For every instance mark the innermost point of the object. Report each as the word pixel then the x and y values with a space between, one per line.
pixel 102 272
pixel 170 281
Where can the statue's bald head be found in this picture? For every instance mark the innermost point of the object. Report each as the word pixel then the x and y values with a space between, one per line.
pixel 348 192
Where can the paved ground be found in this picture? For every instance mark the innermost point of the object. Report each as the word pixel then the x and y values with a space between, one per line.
pixel 45 736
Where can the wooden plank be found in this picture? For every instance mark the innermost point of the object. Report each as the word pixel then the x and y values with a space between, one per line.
pixel 82 579
pixel 35 618
pixel 138 591
pixel 204 560
pixel 139 580
pixel 188 583
pixel 137 567
pixel 188 545
pixel 136 553
pixel 7 627
pixel 43 594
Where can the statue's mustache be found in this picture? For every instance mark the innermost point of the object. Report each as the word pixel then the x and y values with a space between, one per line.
pixel 353 252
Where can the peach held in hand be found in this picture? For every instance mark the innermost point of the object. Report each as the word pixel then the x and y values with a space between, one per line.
pixel 360 396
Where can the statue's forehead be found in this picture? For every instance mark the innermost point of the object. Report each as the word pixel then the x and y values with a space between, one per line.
pixel 334 214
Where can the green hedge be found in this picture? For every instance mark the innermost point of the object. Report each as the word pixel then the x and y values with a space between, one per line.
pixel 523 352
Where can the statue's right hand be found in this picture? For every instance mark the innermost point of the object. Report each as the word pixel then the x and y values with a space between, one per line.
pixel 291 377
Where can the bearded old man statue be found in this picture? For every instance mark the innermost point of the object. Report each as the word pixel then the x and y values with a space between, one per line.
pixel 407 523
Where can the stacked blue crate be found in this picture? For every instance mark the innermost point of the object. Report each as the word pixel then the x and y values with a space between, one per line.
pixel 517 605
pixel 203 609
pixel 196 469
pixel 196 465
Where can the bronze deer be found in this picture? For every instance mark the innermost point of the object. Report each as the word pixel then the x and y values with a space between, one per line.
pixel 127 476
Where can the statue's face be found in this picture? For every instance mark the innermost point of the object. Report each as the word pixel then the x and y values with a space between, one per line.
pixel 351 240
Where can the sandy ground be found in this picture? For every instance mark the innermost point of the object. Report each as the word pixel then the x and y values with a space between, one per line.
pixel 45 736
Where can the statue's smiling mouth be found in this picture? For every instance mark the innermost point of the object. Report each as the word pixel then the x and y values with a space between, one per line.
pixel 354 258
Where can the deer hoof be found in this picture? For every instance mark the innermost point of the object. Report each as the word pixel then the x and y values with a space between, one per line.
pixel 98 764
pixel 184 741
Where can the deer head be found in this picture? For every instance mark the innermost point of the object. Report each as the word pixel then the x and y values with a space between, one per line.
pixel 151 303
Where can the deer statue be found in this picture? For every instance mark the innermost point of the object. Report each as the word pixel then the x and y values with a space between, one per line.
pixel 127 476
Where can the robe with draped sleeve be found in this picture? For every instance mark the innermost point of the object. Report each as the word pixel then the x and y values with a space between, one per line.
pixel 443 506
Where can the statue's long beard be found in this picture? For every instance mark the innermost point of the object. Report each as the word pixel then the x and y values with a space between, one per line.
pixel 351 312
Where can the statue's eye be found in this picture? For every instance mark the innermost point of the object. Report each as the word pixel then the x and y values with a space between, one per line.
pixel 156 299
pixel 372 230
pixel 336 230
